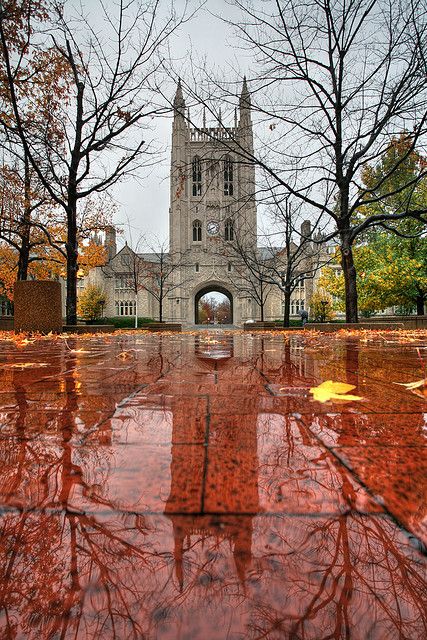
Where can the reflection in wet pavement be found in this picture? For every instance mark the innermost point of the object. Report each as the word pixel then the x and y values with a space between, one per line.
pixel 186 486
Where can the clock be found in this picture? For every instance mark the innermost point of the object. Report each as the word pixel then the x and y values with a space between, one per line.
pixel 212 228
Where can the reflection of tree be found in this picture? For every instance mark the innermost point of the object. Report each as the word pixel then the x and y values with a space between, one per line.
pixel 78 566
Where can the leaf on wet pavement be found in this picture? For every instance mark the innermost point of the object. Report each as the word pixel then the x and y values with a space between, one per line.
pixel 330 390
pixel 126 355
pixel 24 365
pixel 413 385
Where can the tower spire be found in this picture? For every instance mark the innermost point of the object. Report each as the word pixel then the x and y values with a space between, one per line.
pixel 245 123
pixel 245 96
pixel 179 102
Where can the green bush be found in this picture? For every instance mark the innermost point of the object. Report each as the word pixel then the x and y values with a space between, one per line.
pixel 293 322
pixel 124 322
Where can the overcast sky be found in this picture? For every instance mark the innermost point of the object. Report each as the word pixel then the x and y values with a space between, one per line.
pixel 146 202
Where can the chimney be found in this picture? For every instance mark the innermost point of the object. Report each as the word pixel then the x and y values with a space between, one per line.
pixel 110 242
pixel 305 230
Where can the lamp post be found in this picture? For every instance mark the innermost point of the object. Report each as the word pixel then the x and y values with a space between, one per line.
pixel 324 304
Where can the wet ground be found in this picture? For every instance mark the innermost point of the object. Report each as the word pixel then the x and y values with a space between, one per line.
pixel 189 487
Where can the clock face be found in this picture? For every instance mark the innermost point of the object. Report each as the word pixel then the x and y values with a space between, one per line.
pixel 212 228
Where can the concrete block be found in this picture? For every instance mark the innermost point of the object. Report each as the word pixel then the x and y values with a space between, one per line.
pixel 37 306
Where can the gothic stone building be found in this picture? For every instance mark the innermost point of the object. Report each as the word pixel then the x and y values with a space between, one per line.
pixel 212 199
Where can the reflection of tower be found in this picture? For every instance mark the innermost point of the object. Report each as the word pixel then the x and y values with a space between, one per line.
pixel 226 494
pixel 237 530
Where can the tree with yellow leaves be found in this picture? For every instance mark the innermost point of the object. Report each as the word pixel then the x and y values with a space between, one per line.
pixel 391 260
pixel 91 303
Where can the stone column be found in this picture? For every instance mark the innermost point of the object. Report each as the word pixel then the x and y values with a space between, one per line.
pixel 37 305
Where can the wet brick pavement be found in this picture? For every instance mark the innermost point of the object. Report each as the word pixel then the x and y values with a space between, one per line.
pixel 187 486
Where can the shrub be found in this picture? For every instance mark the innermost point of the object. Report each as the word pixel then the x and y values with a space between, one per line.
pixel 91 302
pixel 126 322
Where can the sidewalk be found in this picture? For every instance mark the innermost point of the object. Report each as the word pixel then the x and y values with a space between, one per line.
pixel 188 486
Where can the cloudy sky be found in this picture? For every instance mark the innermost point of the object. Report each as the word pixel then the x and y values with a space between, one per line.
pixel 143 204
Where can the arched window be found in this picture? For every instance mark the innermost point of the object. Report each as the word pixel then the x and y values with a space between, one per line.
pixel 197 176
pixel 197 231
pixel 228 176
pixel 228 231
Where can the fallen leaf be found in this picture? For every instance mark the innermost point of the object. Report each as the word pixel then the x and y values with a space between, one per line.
pixel 24 365
pixel 330 390
pixel 125 355
pixel 412 385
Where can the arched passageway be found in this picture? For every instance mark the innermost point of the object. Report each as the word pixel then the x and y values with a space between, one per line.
pixel 213 305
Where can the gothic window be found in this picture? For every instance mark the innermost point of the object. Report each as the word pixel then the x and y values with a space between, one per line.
pixel 5 308
pixel 197 176
pixel 228 176
pixel 229 231
pixel 197 231
pixel 124 282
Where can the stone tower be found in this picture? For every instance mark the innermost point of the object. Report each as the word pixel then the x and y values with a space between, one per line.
pixel 212 199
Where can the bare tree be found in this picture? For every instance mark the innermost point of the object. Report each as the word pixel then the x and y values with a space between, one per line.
pixel 161 272
pixel 137 272
pixel 253 268
pixel 104 117
pixel 288 258
pixel 333 81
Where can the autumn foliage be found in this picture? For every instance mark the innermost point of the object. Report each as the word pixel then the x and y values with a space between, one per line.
pixel 91 303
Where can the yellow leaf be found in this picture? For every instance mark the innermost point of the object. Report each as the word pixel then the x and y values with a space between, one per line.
pixel 24 365
pixel 412 385
pixel 330 390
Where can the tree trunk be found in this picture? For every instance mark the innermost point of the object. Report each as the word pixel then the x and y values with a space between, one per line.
pixel 420 305
pixel 349 270
pixel 25 226
pixel 262 311
pixel 136 310
pixel 72 268
pixel 72 196
pixel 161 308
pixel 287 309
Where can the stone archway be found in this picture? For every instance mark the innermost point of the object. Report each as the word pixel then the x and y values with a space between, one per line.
pixel 210 289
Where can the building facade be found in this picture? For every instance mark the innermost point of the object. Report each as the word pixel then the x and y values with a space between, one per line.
pixel 212 201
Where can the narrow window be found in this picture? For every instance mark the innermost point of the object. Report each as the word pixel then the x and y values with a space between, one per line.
pixel 197 231
pixel 197 176
pixel 197 267
pixel 228 176
pixel 229 266
pixel 229 231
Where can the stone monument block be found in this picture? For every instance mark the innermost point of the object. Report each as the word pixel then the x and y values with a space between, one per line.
pixel 37 305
